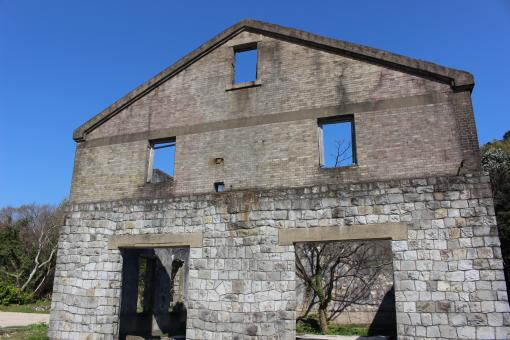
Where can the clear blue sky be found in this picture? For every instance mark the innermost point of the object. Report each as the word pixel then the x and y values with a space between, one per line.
pixel 61 62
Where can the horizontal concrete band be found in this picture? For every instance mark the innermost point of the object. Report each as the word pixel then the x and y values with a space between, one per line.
pixel 323 112
pixel 156 241
pixel 386 231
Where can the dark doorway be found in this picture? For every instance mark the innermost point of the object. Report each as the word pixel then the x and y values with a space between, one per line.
pixel 153 295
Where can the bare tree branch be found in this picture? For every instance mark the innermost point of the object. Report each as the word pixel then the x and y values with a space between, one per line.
pixel 31 234
pixel 338 274
pixel 342 153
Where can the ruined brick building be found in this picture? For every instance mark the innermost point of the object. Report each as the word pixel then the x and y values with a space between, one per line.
pixel 253 175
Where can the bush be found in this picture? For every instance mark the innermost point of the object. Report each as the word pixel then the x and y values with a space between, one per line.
pixel 10 295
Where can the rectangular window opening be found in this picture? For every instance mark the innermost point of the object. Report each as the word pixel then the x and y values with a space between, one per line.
pixel 219 187
pixel 337 142
pixel 245 64
pixel 161 161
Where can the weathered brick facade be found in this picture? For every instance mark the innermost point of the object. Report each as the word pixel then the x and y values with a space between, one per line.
pixel 417 166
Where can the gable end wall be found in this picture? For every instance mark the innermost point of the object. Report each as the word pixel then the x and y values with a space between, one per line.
pixel 267 134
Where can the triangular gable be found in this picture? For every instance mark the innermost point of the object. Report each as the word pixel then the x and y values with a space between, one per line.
pixel 458 80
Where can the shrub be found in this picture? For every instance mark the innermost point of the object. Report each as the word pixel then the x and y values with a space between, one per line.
pixel 10 295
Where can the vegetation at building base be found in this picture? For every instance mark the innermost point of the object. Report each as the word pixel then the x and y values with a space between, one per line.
pixel 32 332
pixel 496 161
pixel 28 246
pixel 310 325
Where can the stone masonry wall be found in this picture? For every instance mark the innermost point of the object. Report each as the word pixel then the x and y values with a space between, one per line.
pixel 448 275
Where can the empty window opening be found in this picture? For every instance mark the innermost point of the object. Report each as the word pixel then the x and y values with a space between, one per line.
pixel 161 162
pixel 245 64
pixel 219 187
pixel 337 143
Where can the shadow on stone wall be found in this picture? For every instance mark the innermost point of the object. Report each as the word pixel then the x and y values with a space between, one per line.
pixel 385 320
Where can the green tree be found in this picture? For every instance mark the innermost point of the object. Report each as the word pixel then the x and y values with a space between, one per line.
pixel 496 161
pixel 14 260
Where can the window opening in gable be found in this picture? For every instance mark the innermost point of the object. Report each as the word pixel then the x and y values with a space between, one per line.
pixel 161 162
pixel 245 64
pixel 337 142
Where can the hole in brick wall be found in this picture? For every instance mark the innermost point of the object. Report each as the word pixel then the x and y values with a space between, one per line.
pixel 161 163
pixel 219 186
pixel 336 142
pixel 245 64
pixel 356 275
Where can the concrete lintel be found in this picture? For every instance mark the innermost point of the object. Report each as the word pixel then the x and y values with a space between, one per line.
pixel 392 231
pixel 156 240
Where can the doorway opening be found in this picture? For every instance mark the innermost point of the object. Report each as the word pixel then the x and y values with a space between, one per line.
pixel 345 287
pixel 154 290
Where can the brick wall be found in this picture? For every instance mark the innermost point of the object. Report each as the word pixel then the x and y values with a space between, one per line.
pixel 267 135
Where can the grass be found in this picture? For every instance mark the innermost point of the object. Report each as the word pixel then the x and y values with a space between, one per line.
pixel 311 326
pixel 32 332
pixel 40 306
